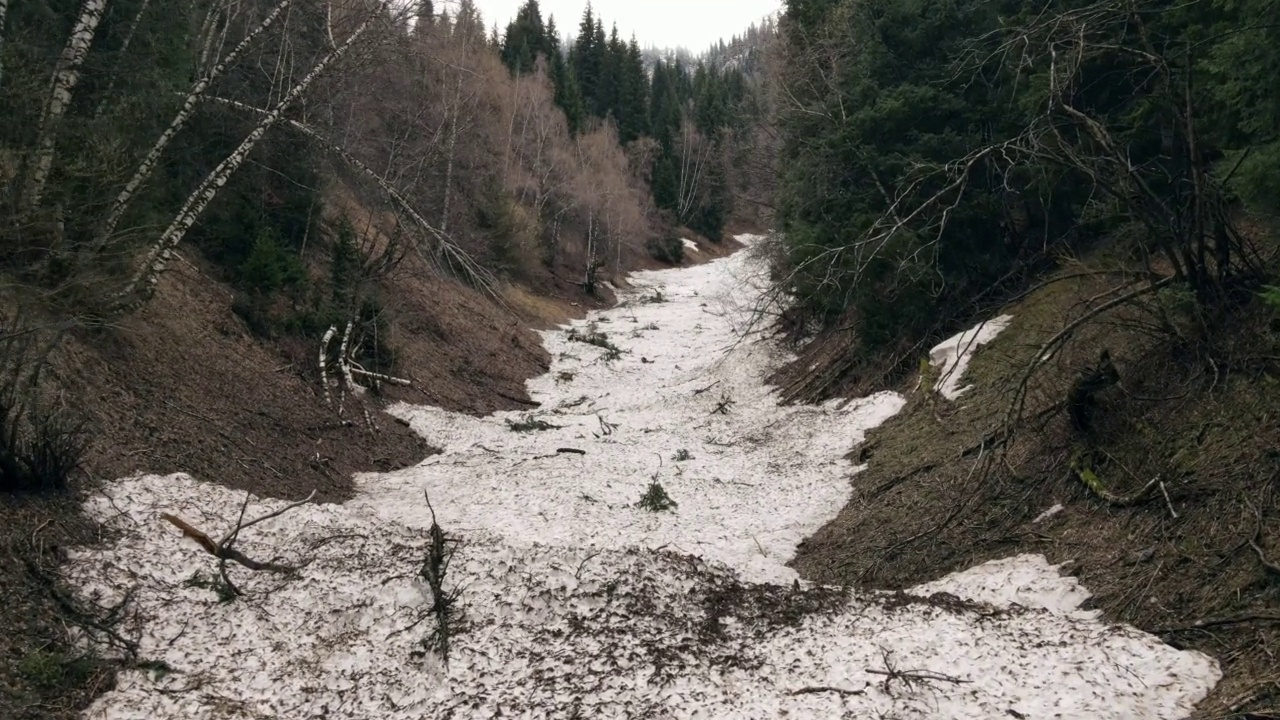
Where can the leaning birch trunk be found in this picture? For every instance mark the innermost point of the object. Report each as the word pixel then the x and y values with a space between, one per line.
pixel 66 75
pixel 152 160
pixel 142 285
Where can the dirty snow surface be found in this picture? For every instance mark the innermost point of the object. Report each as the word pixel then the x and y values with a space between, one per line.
pixel 950 358
pixel 574 601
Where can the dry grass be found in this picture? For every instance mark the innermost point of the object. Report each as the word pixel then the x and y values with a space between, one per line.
pixel 539 310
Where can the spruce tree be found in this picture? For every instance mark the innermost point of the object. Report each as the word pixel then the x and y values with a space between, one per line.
pixel 586 61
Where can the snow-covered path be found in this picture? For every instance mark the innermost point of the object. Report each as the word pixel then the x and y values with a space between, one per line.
pixel 577 601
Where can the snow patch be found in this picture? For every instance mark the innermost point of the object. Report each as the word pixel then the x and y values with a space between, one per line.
pixel 689 245
pixel 1048 513
pixel 578 603
pixel 1028 581
pixel 951 356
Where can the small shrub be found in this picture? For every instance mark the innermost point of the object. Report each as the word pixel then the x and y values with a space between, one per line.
pixel 41 446
pixel 682 454
pixel 1271 296
pixel 592 336
pixel 45 669
pixel 530 424
pixel 656 499
pixel 668 249
pixel 225 592
pixel 270 266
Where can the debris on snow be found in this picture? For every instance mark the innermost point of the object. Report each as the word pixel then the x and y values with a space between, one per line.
pixel 951 356
pixel 574 601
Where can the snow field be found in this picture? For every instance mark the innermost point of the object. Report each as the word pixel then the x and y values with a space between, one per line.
pixel 577 602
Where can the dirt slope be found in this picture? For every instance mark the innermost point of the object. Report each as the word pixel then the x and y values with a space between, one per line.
pixel 1187 559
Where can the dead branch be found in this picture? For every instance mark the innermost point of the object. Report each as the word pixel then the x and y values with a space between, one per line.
pixel 434 566
pixel 826 689
pixel 223 549
pixel 1255 542
pixel 1050 346
pixel 1219 622
pixel 909 678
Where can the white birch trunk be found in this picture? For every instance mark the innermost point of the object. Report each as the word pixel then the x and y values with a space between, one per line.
pixel 324 368
pixel 152 160
pixel 452 145
pixel 66 75
pixel 142 284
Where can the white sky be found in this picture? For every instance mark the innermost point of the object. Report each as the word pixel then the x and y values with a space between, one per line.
pixel 692 24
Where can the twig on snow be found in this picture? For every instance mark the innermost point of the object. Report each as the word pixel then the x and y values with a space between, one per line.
pixel 909 678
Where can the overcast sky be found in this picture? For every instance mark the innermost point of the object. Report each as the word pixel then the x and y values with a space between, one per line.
pixel 692 24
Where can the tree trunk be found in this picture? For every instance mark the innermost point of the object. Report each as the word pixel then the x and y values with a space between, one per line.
pixel 66 75
pixel 152 160
pixel 142 285
pixel 452 145
pixel 446 250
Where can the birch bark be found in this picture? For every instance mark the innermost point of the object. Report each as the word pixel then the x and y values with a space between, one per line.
pixel 142 285
pixel 66 76
pixel 152 160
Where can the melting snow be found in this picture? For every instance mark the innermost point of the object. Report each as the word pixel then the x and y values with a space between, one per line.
pixel 689 245
pixel 576 602
pixel 951 356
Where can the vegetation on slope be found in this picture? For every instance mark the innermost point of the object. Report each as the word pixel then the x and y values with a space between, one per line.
pixel 1105 173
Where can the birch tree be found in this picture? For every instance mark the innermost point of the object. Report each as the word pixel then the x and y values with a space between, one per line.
pixel 142 284
pixel 151 161
pixel 66 75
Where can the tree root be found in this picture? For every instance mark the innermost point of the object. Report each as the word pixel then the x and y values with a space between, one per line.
pixel 1080 467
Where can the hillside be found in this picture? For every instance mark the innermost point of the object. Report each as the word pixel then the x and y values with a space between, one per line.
pixel 891 358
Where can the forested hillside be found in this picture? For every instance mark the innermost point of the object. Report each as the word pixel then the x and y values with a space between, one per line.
pixel 309 152
pixel 940 156
pixel 1094 185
